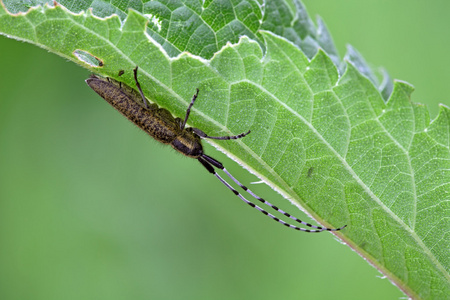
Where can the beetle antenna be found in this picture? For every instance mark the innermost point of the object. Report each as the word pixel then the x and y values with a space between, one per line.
pixel 209 163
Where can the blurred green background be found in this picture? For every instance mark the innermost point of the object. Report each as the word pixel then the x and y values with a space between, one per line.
pixel 91 208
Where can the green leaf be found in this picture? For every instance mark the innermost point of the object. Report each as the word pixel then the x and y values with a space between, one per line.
pixel 322 133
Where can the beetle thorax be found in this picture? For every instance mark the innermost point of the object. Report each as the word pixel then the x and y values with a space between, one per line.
pixel 188 143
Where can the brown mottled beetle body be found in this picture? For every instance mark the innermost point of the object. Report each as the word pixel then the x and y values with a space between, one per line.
pixel 163 127
pixel 157 122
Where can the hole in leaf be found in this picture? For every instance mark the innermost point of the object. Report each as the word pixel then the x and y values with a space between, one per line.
pixel 156 22
pixel 88 58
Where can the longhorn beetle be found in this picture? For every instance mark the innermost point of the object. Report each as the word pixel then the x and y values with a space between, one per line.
pixel 163 127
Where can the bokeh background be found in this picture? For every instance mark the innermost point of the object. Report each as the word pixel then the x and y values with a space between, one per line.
pixel 91 208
